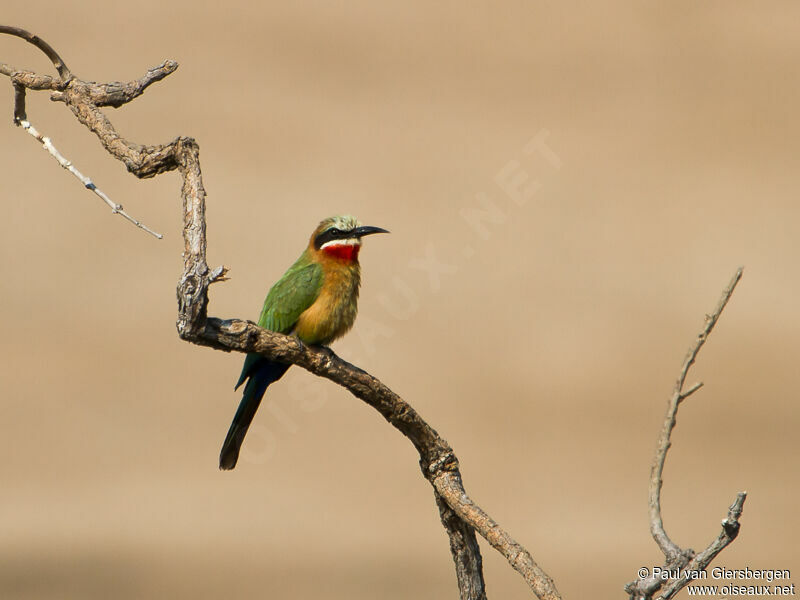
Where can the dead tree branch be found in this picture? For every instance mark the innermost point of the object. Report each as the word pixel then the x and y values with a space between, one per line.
pixel 94 95
pixel 677 559
pixel 460 516
pixel 58 63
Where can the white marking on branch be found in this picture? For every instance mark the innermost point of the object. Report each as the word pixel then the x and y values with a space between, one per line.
pixel 218 274
pixel 47 144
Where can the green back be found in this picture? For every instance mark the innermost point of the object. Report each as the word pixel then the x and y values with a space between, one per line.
pixel 286 301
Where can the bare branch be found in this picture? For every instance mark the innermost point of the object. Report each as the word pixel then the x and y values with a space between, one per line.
pixel 730 529
pixel 437 460
pixel 450 488
pixel 31 80
pixel 691 390
pixel 142 161
pixel 22 80
pixel 87 183
pixel 58 63
pixel 668 547
pixel 465 551
pixel 117 93
pixel 19 104
pixel 84 98
pixel 675 556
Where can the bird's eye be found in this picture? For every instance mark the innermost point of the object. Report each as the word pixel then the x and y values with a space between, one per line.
pixel 334 231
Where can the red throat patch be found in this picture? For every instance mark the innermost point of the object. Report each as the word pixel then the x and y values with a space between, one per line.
pixel 347 252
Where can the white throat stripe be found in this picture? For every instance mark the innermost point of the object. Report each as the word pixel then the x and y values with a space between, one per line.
pixel 347 242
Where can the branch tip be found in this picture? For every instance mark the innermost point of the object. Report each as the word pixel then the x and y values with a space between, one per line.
pixel 674 555
pixel 116 208
pixel 691 390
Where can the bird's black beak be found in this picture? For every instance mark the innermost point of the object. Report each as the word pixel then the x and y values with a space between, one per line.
pixel 367 230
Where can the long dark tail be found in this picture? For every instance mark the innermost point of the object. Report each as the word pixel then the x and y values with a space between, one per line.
pixel 262 374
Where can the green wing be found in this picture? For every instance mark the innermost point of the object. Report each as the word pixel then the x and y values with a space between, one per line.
pixel 286 301
pixel 290 296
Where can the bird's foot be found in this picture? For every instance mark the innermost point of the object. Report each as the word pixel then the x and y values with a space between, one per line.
pixel 319 347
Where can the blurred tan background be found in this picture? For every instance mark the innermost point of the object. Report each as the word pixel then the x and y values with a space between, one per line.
pixel 544 349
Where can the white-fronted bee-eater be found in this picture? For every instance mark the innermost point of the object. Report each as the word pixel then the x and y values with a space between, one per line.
pixel 315 300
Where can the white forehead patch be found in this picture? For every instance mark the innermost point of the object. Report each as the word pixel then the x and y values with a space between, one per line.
pixel 347 242
pixel 345 222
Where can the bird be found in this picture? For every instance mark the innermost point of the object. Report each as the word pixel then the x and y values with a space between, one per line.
pixel 316 301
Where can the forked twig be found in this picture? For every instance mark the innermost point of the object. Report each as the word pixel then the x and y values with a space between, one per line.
pixel 675 556
pixel 111 94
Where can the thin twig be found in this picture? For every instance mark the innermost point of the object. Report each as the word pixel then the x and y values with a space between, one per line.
pixel 730 529
pixel 87 183
pixel 676 557
pixel 57 61
pixel 19 104
pixel 691 390
pixel 668 547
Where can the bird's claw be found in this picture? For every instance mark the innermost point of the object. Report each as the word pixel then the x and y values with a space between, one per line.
pixel 304 347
